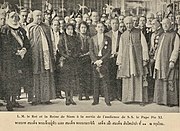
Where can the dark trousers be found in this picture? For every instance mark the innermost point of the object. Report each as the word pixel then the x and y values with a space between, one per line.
pixel 101 83
pixel 84 73
pixel 151 83
pixel 26 81
pixel 115 84
pixel 57 82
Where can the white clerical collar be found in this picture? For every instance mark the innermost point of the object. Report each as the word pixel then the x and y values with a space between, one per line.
pixel 115 32
pixel 100 35
pixel 56 32
pixel 24 23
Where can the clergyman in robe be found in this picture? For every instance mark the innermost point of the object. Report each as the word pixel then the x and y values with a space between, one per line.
pixel 132 61
pixel 42 59
pixel 166 67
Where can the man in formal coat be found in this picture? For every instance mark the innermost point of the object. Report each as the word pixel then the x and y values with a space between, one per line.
pixel 132 60
pixel 166 67
pixel 115 84
pixel 145 30
pixel 178 23
pixel 156 33
pixel 100 50
pixel 56 36
pixel 2 23
pixel 23 18
pixel 43 60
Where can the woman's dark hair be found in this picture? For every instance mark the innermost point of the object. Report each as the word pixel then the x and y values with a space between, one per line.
pixel 100 22
pixel 83 23
pixel 69 24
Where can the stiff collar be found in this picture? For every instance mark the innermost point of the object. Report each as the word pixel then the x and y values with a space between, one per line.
pixel 13 26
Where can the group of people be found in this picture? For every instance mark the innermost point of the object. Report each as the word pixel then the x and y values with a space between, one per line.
pixel 128 58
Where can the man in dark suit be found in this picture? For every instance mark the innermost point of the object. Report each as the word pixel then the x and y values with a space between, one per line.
pixel 95 20
pixel 2 23
pixel 56 36
pixel 115 84
pixel 100 50
pixel 145 30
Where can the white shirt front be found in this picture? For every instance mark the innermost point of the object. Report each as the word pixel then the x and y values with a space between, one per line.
pixel 114 41
pixel 56 39
pixel 100 43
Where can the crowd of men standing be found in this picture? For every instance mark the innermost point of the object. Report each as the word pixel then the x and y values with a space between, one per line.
pixel 133 59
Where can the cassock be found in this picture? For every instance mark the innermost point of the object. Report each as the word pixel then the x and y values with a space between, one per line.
pixel 43 62
pixel 166 79
pixel 133 50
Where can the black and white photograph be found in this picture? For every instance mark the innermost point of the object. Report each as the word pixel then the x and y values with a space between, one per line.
pixel 90 56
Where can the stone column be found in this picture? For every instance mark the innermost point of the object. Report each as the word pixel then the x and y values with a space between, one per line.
pixel 123 8
pixel 27 3
pixel 116 3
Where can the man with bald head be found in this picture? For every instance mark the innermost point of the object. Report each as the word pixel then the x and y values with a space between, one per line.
pixel 42 59
pixel 132 61
pixel 166 80
pixel 149 17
